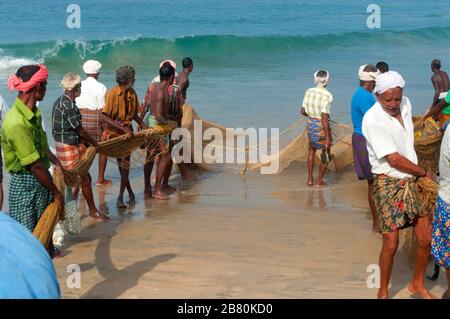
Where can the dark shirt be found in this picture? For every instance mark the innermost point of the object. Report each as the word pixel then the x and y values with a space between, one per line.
pixel 66 118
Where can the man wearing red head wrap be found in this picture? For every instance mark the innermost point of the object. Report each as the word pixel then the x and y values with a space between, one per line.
pixel 25 147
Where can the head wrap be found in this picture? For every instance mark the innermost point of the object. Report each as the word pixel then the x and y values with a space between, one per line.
pixel 321 81
pixel 388 80
pixel 173 64
pixel 365 75
pixel 92 67
pixel 70 81
pixel 16 83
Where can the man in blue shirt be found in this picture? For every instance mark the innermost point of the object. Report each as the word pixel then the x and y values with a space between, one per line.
pixel 362 101
pixel 26 270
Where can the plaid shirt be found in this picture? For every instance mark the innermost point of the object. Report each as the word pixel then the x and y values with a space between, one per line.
pixel 317 101
pixel 66 118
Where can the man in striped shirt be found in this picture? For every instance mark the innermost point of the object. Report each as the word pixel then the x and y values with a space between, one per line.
pixel 316 107
pixel 69 136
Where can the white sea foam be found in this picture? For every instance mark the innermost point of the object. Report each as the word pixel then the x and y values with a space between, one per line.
pixel 9 65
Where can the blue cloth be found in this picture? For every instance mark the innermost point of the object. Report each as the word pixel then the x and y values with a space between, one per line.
pixel 26 270
pixel 362 101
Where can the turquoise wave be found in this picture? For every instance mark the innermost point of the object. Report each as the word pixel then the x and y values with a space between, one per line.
pixel 210 50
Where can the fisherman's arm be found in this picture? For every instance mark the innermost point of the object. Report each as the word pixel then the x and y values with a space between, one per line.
pixel 140 120
pixel 41 173
pixel 403 164
pixel 52 157
pixel 86 137
pixel 326 129
pixel 111 123
pixel 435 109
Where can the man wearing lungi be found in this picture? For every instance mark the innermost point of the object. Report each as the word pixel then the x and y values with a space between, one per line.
pixel 67 131
pixel 90 103
pixel 316 107
pixel 26 153
pixel 389 133
pixel 362 101
pixel 121 109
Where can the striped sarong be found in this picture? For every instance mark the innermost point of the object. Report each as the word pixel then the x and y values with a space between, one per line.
pixel 91 123
pixel 69 155
pixel 397 202
pixel 27 199
pixel 316 134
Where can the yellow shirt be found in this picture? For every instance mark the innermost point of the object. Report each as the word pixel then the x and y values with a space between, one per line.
pixel 116 107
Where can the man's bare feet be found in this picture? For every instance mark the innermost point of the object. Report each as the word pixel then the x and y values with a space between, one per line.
pixel 422 292
pixel 310 182
pixel 131 201
pixel 376 228
pixel 321 184
pixel 161 196
pixel 383 294
pixel 187 177
pixel 56 254
pixel 148 194
pixel 104 182
pixel 98 215
pixel 121 204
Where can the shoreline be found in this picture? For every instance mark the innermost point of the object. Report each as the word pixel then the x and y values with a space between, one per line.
pixel 227 236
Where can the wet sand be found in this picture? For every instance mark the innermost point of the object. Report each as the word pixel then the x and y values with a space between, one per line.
pixel 231 236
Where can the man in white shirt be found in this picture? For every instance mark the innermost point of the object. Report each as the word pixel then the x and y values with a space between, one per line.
pixel 389 131
pixel 90 103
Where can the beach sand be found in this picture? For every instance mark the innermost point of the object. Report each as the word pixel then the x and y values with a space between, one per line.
pixel 232 236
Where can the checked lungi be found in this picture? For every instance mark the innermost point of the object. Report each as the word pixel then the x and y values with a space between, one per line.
pixel 90 120
pixel 27 199
pixel 397 202
pixel 69 155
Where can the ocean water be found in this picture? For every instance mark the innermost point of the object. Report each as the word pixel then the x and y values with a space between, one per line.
pixel 253 59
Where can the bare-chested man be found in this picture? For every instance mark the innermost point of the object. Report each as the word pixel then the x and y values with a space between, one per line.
pixel 183 77
pixel 440 81
pixel 439 109
pixel 159 109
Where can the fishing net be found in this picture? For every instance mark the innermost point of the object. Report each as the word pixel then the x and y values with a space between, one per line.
pixel 427 143
pixel 292 145
pixel 428 191
pixel 46 224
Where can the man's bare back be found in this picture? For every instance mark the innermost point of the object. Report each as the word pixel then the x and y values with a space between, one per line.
pixel 441 84
pixel 183 82
pixel 159 105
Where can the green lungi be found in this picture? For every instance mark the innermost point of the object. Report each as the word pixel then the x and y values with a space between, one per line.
pixel 27 199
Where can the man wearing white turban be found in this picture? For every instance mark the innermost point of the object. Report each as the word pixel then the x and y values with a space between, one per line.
pixel 389 132
pixel 90 103
pixel 316 107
